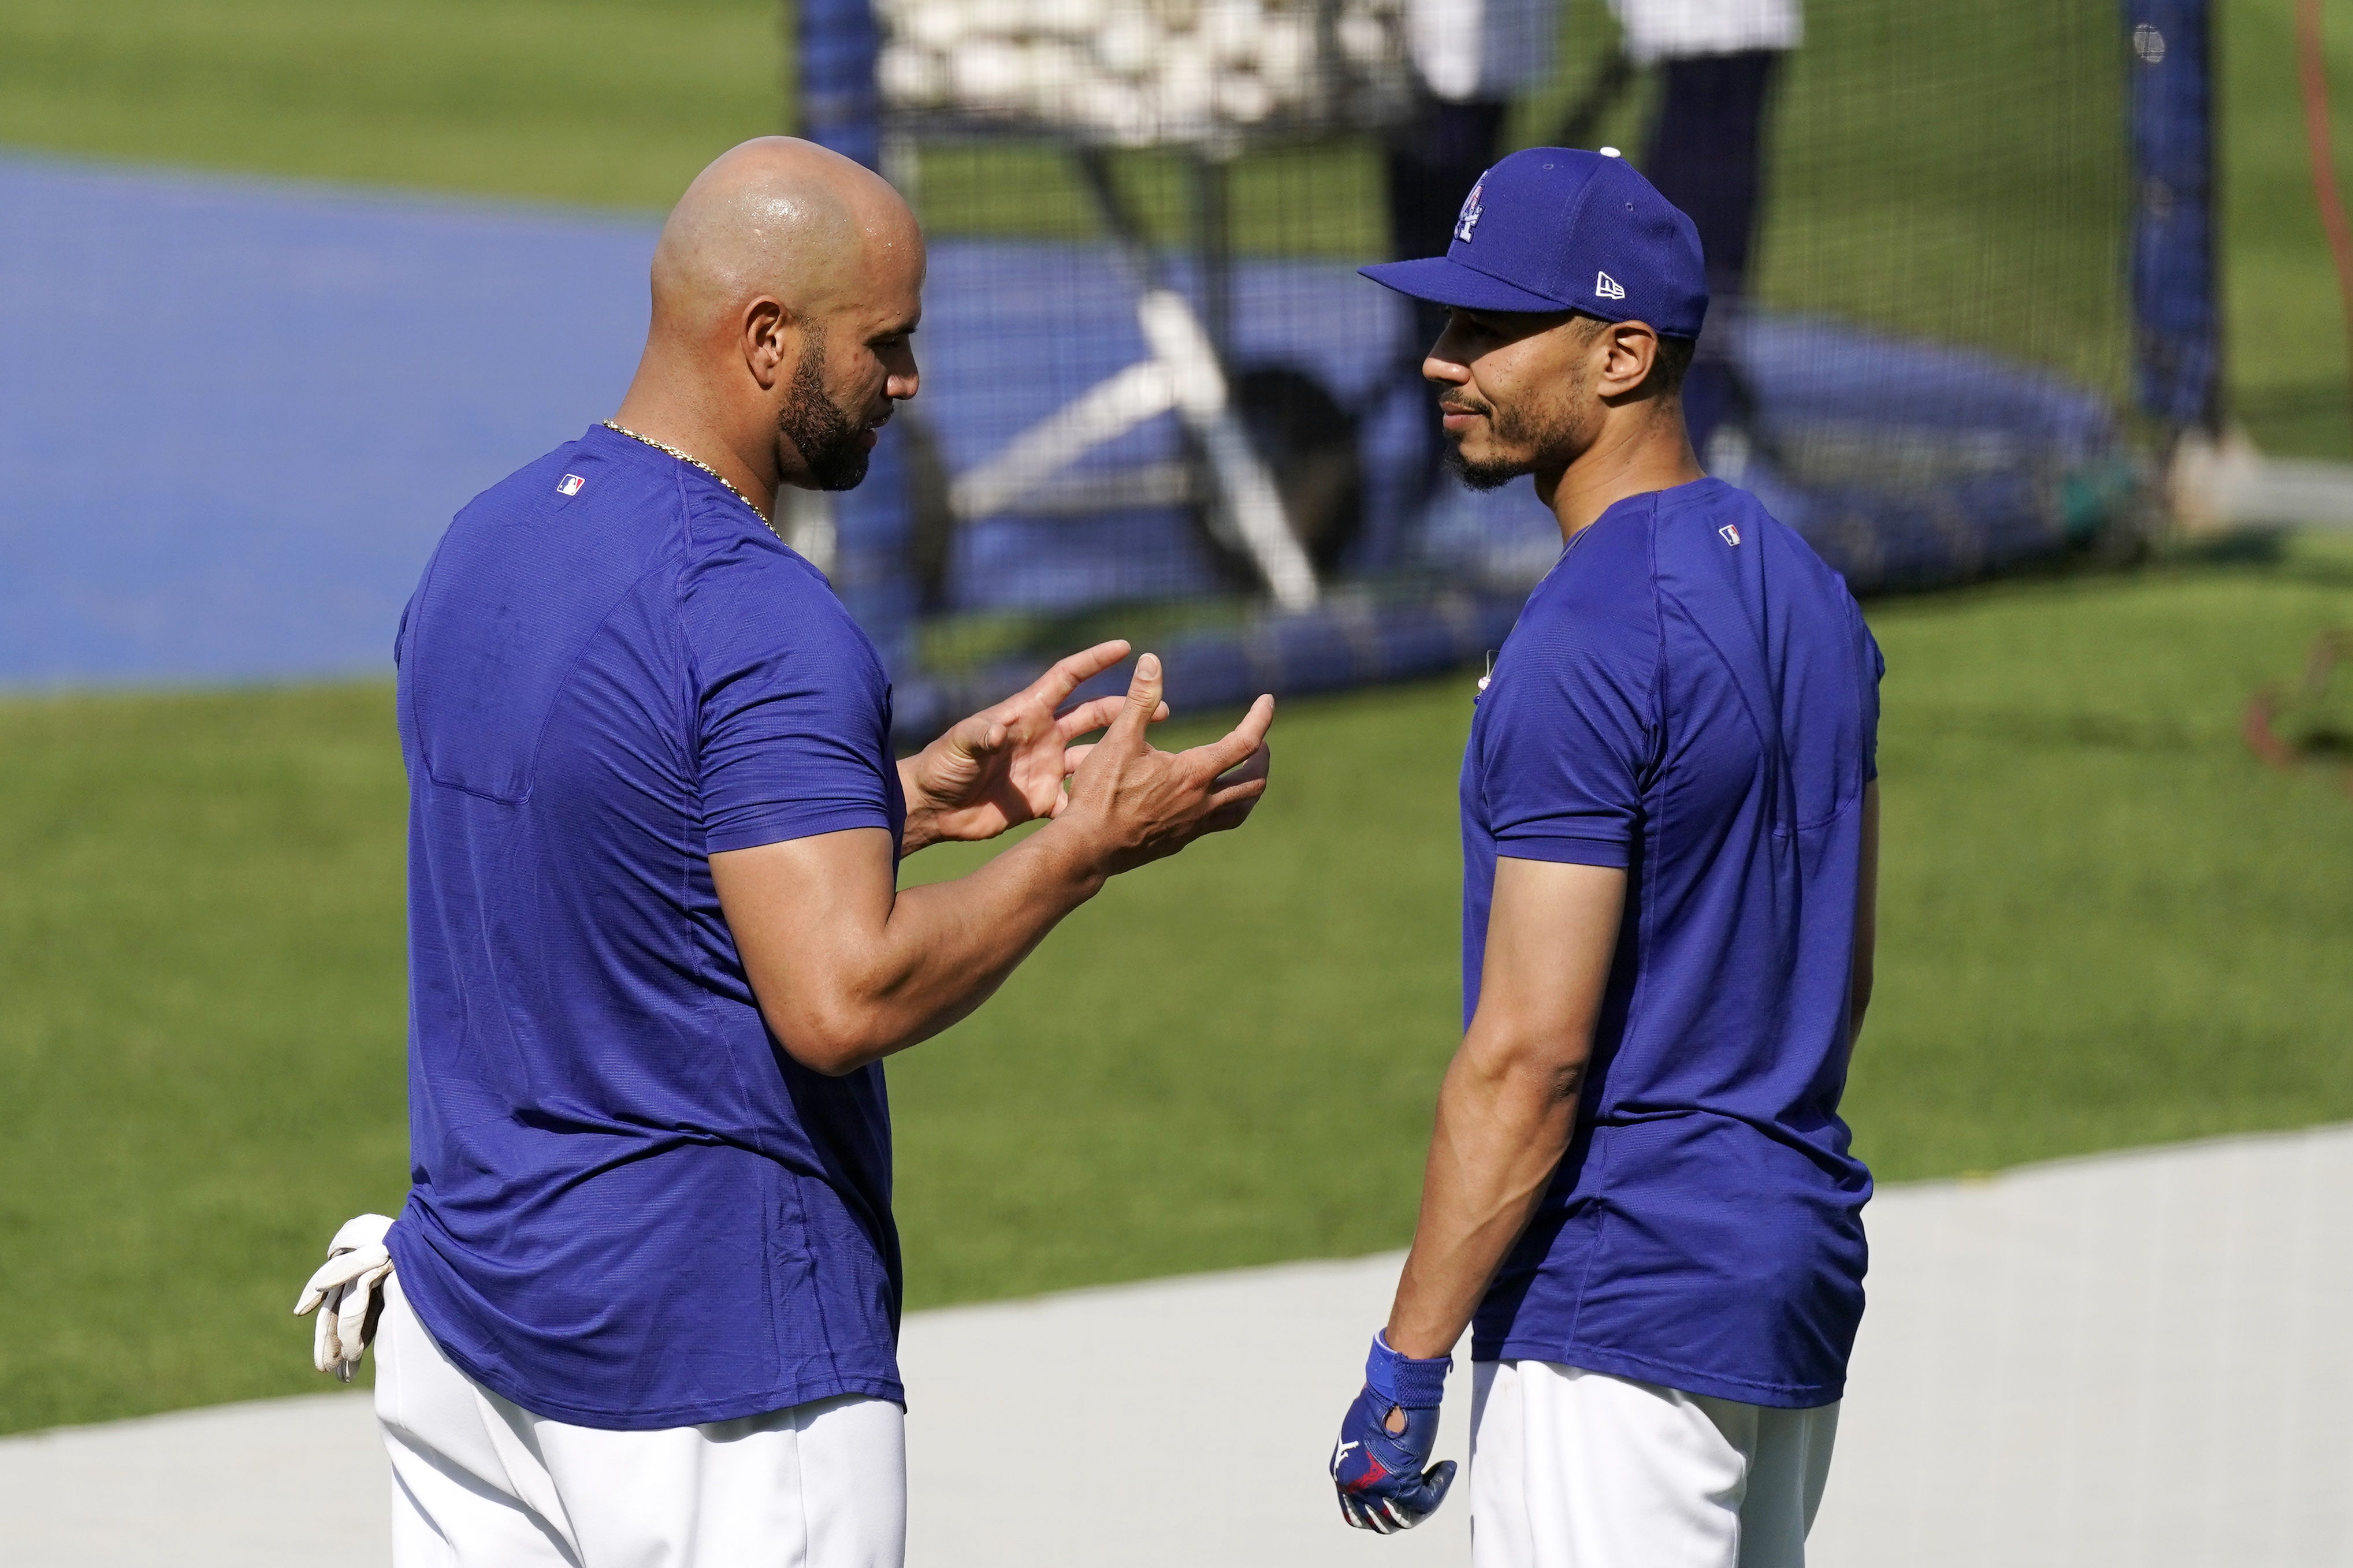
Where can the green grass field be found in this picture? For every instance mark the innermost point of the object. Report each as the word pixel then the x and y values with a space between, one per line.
pixel 616 103
pixel 2106 924
pixel 2285 335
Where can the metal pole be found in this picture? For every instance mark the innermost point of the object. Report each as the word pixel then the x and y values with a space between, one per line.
pixel 2176 306
pixel 1213 246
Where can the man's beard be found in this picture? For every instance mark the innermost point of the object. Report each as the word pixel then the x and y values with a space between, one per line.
pixel 1490 475
pixel 1507 429
pixel 830 442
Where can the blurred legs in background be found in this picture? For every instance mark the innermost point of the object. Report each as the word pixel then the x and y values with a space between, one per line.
pixel 1705 155
pixel 1430 167
pixel 1471 59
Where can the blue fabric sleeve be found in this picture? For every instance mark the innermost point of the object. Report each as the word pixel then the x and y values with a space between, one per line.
pixel 1570 737
pixel 794 711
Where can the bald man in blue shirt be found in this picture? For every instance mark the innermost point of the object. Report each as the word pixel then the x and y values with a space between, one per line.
pixel 642 1304
pixel 1640 1197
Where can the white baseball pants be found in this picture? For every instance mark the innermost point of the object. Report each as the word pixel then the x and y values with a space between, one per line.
pixel 1572 1468
pixel 480 1482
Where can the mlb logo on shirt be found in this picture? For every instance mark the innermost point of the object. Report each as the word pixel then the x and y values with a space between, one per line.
pixel 1731 533
pixel 571 485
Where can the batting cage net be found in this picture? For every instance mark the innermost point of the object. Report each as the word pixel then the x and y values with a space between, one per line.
pixel 1958 256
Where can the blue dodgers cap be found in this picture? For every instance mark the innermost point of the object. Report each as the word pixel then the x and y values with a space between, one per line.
pixel 1556 228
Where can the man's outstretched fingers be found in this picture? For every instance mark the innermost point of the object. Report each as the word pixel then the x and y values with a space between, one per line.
pixel 1253 768
pixel 1074 670
pixel 1234 797
pixel 1239 744
pixel 1091 716
pixel 1143 701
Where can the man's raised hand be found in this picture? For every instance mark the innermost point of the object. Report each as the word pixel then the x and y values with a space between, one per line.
pixel 1005 766
pixel 1142 805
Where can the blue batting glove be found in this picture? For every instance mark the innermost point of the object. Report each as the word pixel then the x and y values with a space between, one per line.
pixel 1379 1473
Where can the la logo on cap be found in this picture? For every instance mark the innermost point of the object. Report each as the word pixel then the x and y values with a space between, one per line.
pixel 1468 219
pixel 1608 287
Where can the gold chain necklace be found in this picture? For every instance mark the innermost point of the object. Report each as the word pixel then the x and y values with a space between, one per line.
pixel 615 425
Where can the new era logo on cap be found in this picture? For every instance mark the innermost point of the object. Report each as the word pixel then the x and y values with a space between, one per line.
pixel 1608 287
pixel 571 485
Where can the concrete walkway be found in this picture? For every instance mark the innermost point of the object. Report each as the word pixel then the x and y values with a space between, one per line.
pixel 2143 1359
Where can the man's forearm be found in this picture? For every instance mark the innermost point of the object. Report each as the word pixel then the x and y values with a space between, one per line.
pixel 1508 1106
pixel 883 970
pixel 948 946
pixel 1505 1118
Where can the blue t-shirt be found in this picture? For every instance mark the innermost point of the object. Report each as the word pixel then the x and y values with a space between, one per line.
pixel 631 1208
pixel 1691 695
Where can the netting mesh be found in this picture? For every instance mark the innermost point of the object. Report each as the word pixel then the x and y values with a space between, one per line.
pixel 1157 396
pixel 1959 174
pixel 1941 333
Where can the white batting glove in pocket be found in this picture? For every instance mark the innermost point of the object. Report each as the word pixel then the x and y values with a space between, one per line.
pixel 343 1293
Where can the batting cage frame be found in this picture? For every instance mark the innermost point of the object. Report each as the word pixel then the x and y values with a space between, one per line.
pixel 1218 400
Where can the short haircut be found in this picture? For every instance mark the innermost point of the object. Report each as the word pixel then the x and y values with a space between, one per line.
pixel 1674 359
pixel 1667 367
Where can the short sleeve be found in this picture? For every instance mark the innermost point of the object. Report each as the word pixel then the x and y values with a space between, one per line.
pixel 794 712
pixel 1567 733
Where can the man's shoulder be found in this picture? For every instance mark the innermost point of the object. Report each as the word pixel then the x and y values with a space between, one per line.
pixel 601 510
pixel 1596 611
pixel 532 566
pixel 1633 546
pixel 580 503
pixel 577 476
pixel 1710 514
pixel 735 571
pixel 1609 570
pixel 744 599
pixel 1717 544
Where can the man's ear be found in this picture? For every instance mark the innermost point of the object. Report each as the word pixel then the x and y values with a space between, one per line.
pixel 1630 350
pixel 771 338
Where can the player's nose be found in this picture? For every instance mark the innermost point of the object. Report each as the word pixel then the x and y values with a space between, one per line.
pixel 903 377
pixel 1437 367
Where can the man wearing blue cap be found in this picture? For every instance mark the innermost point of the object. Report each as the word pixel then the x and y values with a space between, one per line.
pixel 1638 1195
